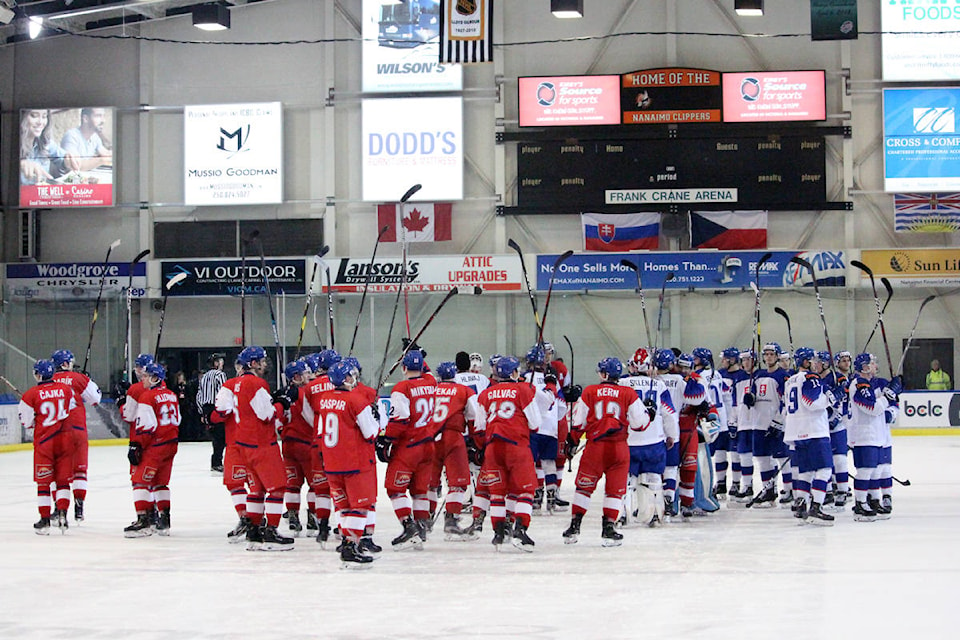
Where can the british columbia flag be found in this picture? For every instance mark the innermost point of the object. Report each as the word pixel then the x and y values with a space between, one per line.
pixel 926 212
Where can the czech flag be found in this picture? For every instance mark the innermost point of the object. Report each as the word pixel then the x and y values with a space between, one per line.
pixel 728 230
pixel 620 231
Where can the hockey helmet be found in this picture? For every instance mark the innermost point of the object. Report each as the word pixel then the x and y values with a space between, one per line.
pixel 61 357
pixel 494 359
pixel 611 367
pixel 250 355
pixel 156 370
pixel 705 355
pixel 447 370
pixel 44 369
pixel 685 360
pixel 313 361
pixel 339 372
pixel 640 359
pixel 839 355
pixel 536 355
pixel 413 360
pixel 773 346
pixel 354 364
pixel 294 369
pixel 328 358
pixel 143 360
pixel 731 353
pixel 802 354
pixel 664 359
pixel 862 360
pixel 506 366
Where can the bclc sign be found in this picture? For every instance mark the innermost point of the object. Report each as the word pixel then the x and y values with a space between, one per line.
pixel 929 410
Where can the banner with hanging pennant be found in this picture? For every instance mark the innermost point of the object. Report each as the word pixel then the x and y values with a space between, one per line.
pixel 466 31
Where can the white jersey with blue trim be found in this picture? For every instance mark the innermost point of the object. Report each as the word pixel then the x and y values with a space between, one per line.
pixel 476 381
pixel 664 424
pixel 805 414
pixel 548 403
pixel 867 426
pixel 675 385
pixel 716 395
pixel 768 388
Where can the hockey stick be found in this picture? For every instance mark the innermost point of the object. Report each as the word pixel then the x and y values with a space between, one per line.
pixel 386 349
pixel 273 316
pixel 366 285
pixel 128 334
pixel 643 303
pixel 823 319
pixel 916 321
pixel 12 386
pixel 570 346
pixel 755 285
pixel 172 282
pixel 663 290
pixel 306 305
pixel 96 307
pixel 783 313
pixel 546 305
pixel 326 270
pixel 413 340
pixel 403 253
pixel 526 278
pixel 876 325
pixel 876 299
pixel 243 284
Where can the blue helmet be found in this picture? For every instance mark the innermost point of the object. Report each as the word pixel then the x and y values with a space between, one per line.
pixel 536 355
pixel 685 360
pixel 294 369
pixel 157 370
pixel 413 360
pixel 44 369
pixel 773 346
pixel 802 354
pixel 339 373
pixel 506 365
pixel 705 355
pixel 61 357
pixel 664 359
pixel 494 359
pixel 328 358
pixel 731 353
pixel 250 355
pixel 611 367
pixel 143 360
pixel 447 370
pixel 354 364
pixel 823 356
pixel 313 361
pixel 862 360
pixel 841 354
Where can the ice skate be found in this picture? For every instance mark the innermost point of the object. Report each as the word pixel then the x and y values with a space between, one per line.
pixel 882 512
pixel 42 527
pixel 721 491
pixel 163 524
pixel 473 531
pixel 78 510
pixel 140 528
pixel 499 534
pixel 572 534
pixel 323 532
pixel 818 517
pixel 799 509
pixel 863 513
pixel 293 522
pixel 559 503
pixel 254 537
pixel 786 498
pixel 552 501
pixel 409 538
pixel 609 536
pixel 537 501
pixel 425 527
pixel 766 499
pixel 311 521
pixel 369 547
pixel 273 540
pixel 745 496
pixel 239 533
pixel 451 529
pixel 352 558
pixel 62 522
pixel 521 540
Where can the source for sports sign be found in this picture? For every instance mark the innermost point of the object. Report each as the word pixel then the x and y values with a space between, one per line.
pixel 921 139
pixel 671 96
pixel 66 157
pixel 408 141
pixel 919 41
pixel 428 273
pixel 774 96
pixel 233 154
pixel 554 101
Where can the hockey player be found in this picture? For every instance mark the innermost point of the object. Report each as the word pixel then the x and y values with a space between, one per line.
pixel 718 395
pixel 347 427
pixel 468 372
pixel 257 416
pixel 882 493
pixel 319 383
pixel 839 415
pixel 867 432
pixel 569 393
pixel 695 407
pixel 455 409
pixel 153 445
pixel 665 362
pixel 234 470
pixel 648 447
pixel 407 447
pixel 86 391
pixel 806 427
pixel 298 452
pixel 725 447
pixel 764 399
pixel 605 413
pixel 543 442
pixel 507 414
pixel 45 408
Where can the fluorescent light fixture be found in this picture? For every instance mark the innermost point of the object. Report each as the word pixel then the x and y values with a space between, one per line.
pixel 390 2
pixel 748 7
pixel 211 17
pixel 566 8
pixel 6 15
pixel 34 26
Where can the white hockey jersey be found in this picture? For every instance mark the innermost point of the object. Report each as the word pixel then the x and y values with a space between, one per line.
pixel 805 414
pixel 664 424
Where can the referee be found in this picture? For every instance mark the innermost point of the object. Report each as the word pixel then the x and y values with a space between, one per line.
pixel 210 383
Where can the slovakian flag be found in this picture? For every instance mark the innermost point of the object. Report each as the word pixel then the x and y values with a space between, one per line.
pixel 620 231
pixel 422 222
pixel 926 212
pixel 728 230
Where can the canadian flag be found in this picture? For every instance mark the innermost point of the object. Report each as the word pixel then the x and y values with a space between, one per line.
pixel 422 222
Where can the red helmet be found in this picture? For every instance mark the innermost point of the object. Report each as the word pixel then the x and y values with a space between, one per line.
pixel 641 359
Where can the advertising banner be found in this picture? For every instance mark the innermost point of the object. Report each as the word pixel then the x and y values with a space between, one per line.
pixel 72 280
pixel 408 141
pixel 774 96
pixel 915 267
pixel 671 96
pixel 226 277
pixel 401 48
pixel 10 428
pixel 921 139
pixel 555 101
pixel 919 41
pixel 691 270
pixel 233 154
pixel 929 410
pixel 429 273
pixel 66 157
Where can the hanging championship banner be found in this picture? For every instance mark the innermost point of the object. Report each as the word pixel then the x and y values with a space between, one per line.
pixel 466 31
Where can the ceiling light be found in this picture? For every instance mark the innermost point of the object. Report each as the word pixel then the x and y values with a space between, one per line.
pixel 748 7
pixel 566 8
pixel 211 17
pixel 34 26
pixel 6 15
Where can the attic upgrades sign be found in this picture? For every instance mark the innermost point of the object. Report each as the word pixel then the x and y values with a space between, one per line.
pixel 233 154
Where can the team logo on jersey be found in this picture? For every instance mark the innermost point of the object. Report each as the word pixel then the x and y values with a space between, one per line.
pixel 489 478
pixel 586 481
pixel 319 477
pixel 149 473
pixel 402 478
pixel 338 495
pixel 238 472
pixel 43 471
pixel 291 473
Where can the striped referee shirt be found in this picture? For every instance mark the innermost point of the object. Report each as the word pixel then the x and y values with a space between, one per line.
pixel 210 384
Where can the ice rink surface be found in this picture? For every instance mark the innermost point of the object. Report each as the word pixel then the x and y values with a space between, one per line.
pixel 736 574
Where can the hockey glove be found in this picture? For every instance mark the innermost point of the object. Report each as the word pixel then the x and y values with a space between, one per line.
pixel 732 430
pixel 384 448
pixel 205 412
pixel 571 393
pixel 135 453
pixel 550 379
pixel 749 399
pixel 293 392
pixel 891 395
pixel 375 410
pixel 474 453
pixel 120 392
pixel 651 406
pixel 775 430
pixel 831 397
pixel 896 384
pixel 280 397
pixel 570 447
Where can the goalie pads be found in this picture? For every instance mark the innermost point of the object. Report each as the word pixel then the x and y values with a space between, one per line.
pixel 703 497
